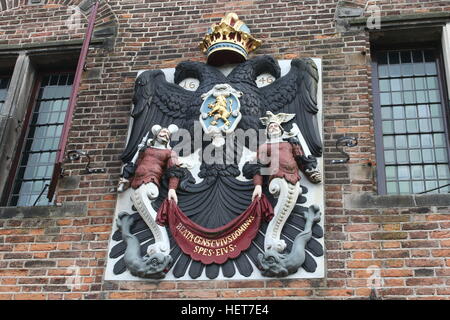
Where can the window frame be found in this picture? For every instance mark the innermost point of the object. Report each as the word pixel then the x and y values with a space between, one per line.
pixel 8 190
pixel 20 144
pixel 376 108
pixel 5 75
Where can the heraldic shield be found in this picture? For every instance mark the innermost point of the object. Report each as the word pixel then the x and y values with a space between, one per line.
pixel 219 209
pixel 220 110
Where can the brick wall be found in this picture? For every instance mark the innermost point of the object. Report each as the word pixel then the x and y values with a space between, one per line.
pixel 39 254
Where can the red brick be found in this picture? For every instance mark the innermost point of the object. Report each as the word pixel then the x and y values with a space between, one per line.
pixel 397 292
pixel 248 293
pixel 440 234
pixel 391 244
pixel 361 245
pixel 438 217
pixel 393 282
pixel 394 263
pixel 389 235
pixel 362 227
pixel 246 284
pixel 335 292
pixel 126 295
pixel 424 281
pixel 198 294
pixel 396 273
pixel 165 295
pixel 30 296
pixel 424 263
pixel 43 247
pixel 363 263
pixel 12 272
pixel 292 293
pixel 391 254
pixel 425 291
pixel 362 255
pixel 441 253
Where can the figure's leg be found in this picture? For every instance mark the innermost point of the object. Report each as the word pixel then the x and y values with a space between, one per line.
pixel 287 198
pixel 141 200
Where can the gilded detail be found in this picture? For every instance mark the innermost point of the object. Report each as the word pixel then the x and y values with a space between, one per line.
pixel 220 110
pixel 233 34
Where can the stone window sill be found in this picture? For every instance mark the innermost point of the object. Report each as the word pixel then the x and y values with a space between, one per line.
pixel 367 200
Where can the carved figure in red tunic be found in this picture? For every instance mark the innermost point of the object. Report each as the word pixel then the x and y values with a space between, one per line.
pixel 280 158
pixel 153 159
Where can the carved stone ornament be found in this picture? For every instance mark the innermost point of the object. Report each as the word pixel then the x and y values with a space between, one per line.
pixel 188 207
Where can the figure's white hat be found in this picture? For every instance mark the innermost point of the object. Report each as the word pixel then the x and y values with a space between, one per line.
pixel 157 128
pixel 277 118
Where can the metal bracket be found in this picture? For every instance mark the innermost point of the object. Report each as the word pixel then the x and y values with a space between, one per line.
pixel 74 155
pixel 346 142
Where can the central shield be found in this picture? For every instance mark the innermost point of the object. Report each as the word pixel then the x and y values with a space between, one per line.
pixel 220 110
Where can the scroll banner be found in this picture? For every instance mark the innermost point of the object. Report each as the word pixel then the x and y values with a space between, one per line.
pixel 219 244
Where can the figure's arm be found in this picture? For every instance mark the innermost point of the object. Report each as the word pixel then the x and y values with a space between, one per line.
pixel 263 159
pixel 130 168
pixel 174 174
pixel 306 164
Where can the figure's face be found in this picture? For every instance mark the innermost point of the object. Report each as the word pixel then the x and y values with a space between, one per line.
pixel 274 130
pixel 163 135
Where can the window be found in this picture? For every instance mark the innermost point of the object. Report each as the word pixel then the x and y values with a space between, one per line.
pixel 4 84
pixel 411 125
pixel 41 140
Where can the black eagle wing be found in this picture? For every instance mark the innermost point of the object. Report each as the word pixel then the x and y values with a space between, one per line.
pixel 156 101
pixel 296 92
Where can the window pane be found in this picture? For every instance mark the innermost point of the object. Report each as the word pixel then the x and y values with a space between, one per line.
pixel 415 156
pixel 416 172
pixel 398 112
pixel 417 186
pixel 432 82
pixel 436 110
pixel 391 173
pixel 391 187
pixel 38 156
pixel 408 84
pixel 385 98
pixel 402 156
pixel 414 141
pixel 411 111
pixel 396 85
pixel 412 126
pixel 404 187
pixel 413 123
pixel 388 127
pixel 386 113
pixel 403 173
pixel 384 85
pixel 400 126
pixel 389 156
pixel 388 142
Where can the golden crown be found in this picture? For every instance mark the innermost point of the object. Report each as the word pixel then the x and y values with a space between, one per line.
pixel 229 41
